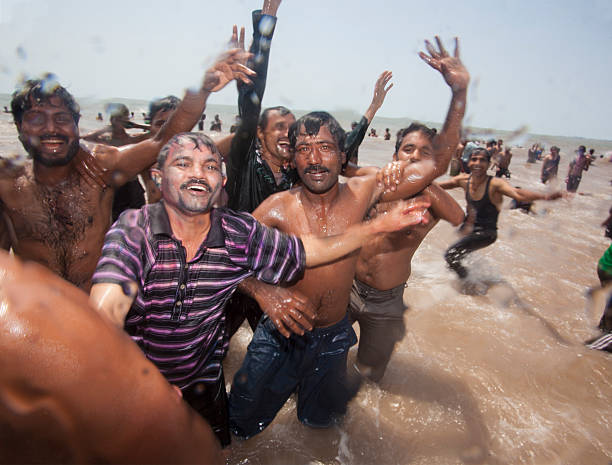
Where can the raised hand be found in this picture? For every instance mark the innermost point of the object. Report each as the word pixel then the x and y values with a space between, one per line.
pixel 381 89
pixel 451 68
pixel 228 66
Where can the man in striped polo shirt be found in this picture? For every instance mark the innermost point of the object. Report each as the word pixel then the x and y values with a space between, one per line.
pixel 168 269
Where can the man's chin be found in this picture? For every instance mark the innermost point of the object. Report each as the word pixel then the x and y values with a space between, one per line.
pixel 54 160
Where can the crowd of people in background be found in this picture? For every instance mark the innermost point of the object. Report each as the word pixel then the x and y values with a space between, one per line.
pixel 178 252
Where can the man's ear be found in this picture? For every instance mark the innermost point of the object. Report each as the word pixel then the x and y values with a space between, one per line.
pixel 156 177
pixel 395 157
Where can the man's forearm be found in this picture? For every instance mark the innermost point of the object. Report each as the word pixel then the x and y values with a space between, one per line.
pixel 446 142
pixel 320 250
pixel 185 117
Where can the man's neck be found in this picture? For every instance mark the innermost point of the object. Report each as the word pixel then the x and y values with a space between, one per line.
pixel 324 200
pixel 51 176
pixel 188 228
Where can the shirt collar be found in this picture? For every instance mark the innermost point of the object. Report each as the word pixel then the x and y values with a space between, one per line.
pixel 160 224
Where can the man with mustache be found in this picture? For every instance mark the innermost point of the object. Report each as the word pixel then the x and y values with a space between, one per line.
pixel 312 361
pixel 168 269
pixel 258 160
pixel 56 208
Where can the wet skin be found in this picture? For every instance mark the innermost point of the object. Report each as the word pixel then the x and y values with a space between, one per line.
pixel 322 206
pixel 385 262
pixel 61 401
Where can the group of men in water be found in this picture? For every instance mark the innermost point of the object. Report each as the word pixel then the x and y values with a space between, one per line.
pixel 276 239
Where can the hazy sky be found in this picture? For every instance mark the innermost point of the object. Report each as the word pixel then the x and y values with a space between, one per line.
pixel 544 64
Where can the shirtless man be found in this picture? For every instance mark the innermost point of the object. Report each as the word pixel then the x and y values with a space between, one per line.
pixel 74 389
pixel 180 260
pixel 384 264
pixel 484 195
pixel 314 363
pixel 56 208
pixel 132 193
pixel 115 134
pixel 550 165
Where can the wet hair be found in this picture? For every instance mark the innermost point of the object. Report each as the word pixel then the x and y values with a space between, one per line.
pixel 36 91
pixel 491 143
pixel 554 148
pixel 199 140
pixel 163 104
pixel 582 148
pixel 265 115
pixel 312 123
pixel 481 150
pixel 430 133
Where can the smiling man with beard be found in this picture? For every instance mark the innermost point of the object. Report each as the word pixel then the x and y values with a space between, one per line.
pixel 57 208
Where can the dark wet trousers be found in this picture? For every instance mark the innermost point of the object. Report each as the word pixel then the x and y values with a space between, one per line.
pixel 274 367
pixel 239 308
pixel 473 241
pixel 210 401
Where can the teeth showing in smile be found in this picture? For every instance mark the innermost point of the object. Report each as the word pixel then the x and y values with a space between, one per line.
pixel 198 187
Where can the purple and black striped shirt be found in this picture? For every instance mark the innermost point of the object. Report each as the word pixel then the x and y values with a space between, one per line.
pixel 178 317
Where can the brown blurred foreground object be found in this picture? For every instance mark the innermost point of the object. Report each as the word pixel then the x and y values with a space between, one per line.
pixel 74 389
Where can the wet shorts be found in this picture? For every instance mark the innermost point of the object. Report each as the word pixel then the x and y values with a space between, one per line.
pixel 380 315
pixel 274 367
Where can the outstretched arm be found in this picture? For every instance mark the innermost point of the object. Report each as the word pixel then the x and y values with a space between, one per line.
pixel 524 195
pixel 457 78
pixel 132 159
pixel 94 136
pixel 321 250
pixel 355 137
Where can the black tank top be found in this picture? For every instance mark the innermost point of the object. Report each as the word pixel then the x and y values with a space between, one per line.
pixel 486 212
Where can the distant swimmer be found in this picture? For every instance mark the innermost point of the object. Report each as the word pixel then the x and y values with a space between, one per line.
pixel 215 125
pixel 74 389
pixel 578 164
pixel 502 162
pixel 550 165
pixel 384 264
pixel 56 207
pixel 387 134
pixel 484 196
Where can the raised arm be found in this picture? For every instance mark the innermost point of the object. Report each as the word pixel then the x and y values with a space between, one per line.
pixel 132 159
pixel 355 137
pixel 251 94
pixel 417 176
pixel 457 77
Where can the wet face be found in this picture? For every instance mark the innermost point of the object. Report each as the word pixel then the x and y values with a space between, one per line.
pixel 159 119
pixel 274 138
pixel 318 160
pixel 49 133
pixel 191 178
pixel 415 147
pixel 479 163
